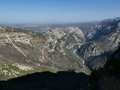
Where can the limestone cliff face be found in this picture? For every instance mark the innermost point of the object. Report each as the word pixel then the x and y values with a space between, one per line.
pixel 89 49
pixel 52 51
pixel 101 41
pixel 61 44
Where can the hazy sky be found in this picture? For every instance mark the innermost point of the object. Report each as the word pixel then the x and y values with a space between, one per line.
pixel 57 11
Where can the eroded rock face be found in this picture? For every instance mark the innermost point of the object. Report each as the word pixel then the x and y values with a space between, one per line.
pixel 55 50
pixel 89 49
pixel 102 40
pixel 70 38
pixel 61 44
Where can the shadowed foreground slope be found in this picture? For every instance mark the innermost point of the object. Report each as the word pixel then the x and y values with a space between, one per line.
pixel 47 81
pixel 108 77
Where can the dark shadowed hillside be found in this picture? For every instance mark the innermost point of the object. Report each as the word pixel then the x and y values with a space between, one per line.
pixel 47 81
pixel 108 77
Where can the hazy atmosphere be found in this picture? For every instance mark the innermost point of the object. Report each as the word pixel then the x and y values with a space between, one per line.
pixel 57 11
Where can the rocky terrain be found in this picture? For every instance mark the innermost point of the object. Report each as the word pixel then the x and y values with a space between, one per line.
pixel 58 49
pixel 23 52
pixel 101 41
pixel 105 78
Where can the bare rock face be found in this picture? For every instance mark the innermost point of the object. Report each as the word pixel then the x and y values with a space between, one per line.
pixel 51 51
pixel 70 38
pixel 61 44
pixel 101 41
pixel 90 49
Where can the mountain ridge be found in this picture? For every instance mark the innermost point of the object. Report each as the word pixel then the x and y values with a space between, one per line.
pixel 53 51
pixel 101 41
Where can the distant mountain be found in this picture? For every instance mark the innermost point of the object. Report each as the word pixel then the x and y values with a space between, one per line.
pixel 41 28
pixel 101 41
pixel 23 52
pixel 86 26
pixel 34 27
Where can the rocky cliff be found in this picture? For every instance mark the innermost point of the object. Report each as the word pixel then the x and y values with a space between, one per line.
pixel 101 41
pixel 23 52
